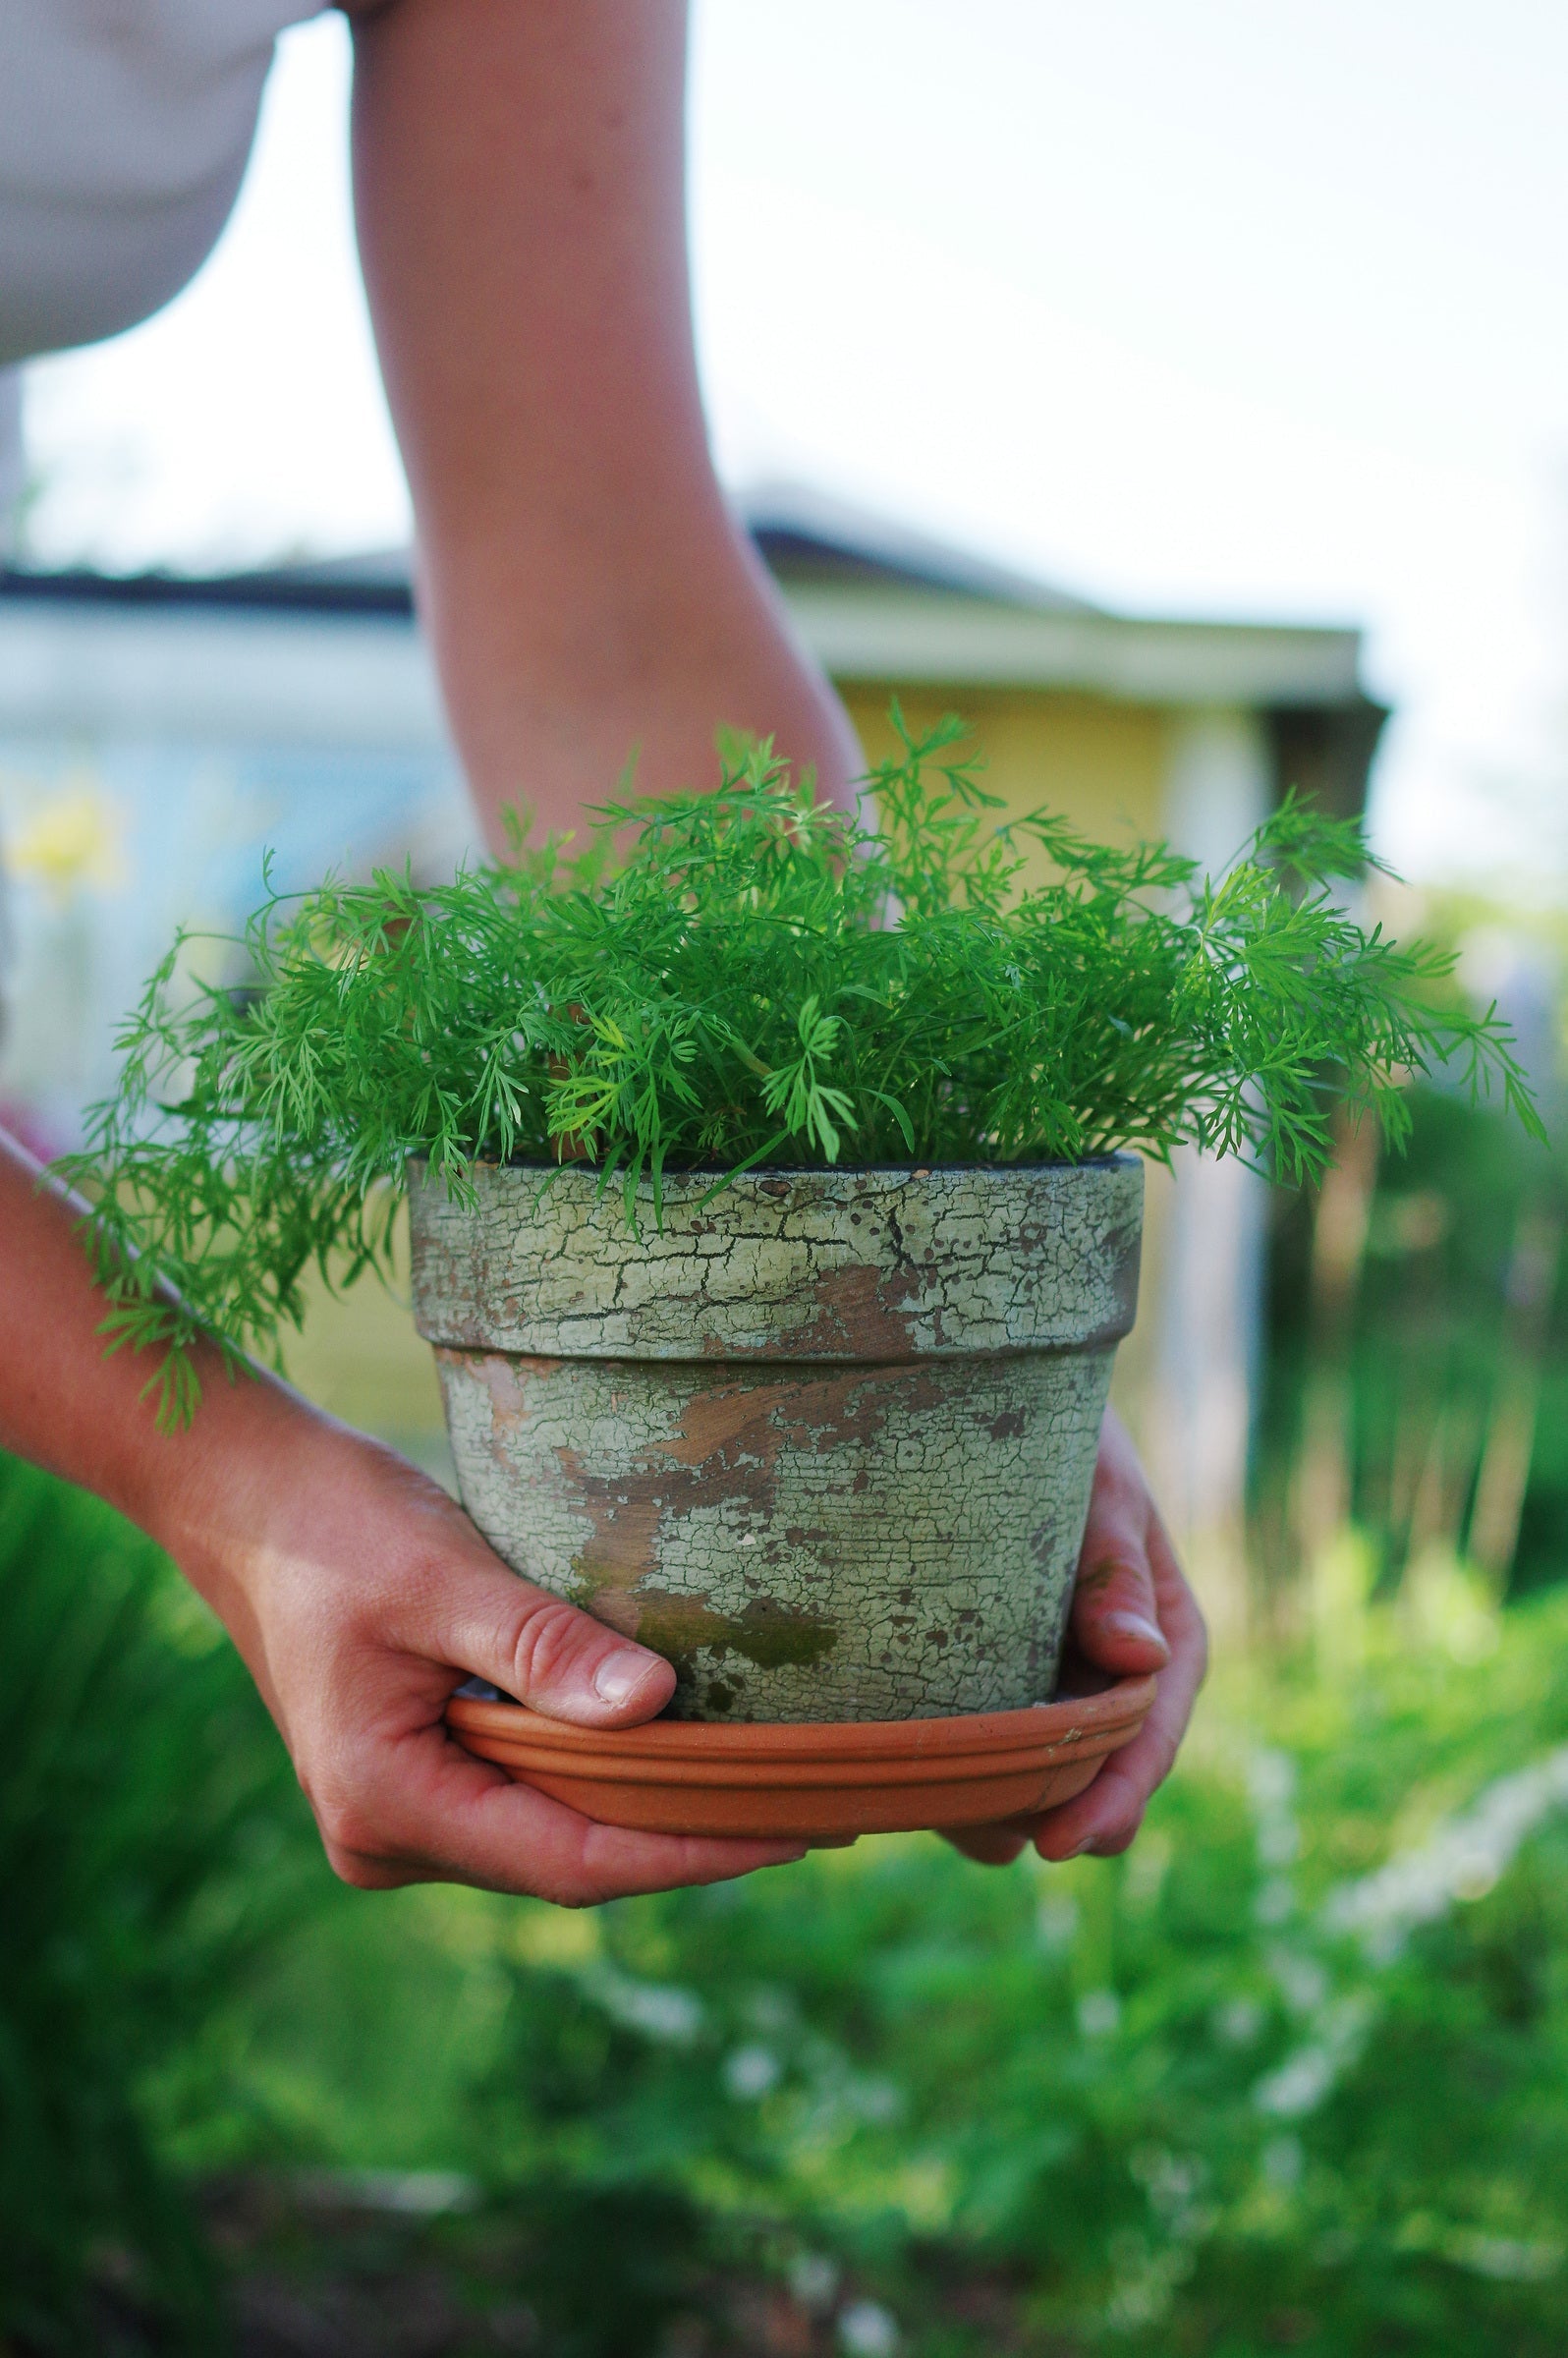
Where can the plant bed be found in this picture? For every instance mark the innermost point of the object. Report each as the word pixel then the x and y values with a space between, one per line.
pixel 774 1214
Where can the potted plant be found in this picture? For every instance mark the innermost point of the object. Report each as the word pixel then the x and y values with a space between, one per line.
pixel 774 1191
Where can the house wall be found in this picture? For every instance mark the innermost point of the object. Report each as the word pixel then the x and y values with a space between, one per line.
pixel 1104 765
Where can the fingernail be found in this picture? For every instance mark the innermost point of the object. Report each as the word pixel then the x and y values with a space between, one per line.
pixel 619 1675
pixel 1139 1627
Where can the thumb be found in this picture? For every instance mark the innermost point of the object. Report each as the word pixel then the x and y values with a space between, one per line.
pixel 484 1619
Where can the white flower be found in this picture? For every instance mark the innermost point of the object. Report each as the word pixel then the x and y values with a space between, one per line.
pixel 1056 1921
pixel 1461 1860
pixel 752 2072
pixel 1239 2021
pixel 1098 2013
pixel 865 2329
pixel 1304 2078
pixel 814 2279
pixel 671 2017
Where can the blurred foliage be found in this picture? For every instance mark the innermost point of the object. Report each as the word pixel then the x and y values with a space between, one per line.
pixel 762 980
pixel 1290 2074
pixel 1430 1349
pixel 1240 2090
pixel 148 1855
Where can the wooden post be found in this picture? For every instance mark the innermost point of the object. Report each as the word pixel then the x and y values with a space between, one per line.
pixel 1510 1438
pixel 1324 1470
pixel 1208 1305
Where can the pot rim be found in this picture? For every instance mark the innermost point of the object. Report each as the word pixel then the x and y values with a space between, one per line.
pixel 1116 1158
pixel 886 1262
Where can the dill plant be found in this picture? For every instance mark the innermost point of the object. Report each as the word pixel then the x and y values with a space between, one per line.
pixel 758 981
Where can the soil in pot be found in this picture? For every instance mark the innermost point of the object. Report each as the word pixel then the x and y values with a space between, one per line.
pixel 824 1438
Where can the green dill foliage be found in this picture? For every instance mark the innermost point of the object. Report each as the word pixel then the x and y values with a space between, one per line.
pixel 760 979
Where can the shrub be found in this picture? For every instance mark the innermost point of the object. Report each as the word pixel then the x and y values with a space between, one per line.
pixel 760 981
pixel 145 1863
pixel 1290 2074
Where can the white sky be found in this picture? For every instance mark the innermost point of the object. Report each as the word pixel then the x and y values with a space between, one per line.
pixel 1207 307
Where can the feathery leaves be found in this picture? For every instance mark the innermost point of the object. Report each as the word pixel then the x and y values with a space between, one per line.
pixel 760 979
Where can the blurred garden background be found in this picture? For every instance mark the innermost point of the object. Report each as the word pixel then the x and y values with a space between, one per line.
pixel 1231 462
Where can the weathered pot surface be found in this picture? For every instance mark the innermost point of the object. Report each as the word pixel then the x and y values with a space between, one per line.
pixel 825 1438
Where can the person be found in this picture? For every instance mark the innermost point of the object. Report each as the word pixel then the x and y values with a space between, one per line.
pixel 519 186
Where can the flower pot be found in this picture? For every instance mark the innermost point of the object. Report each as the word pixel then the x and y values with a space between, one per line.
pixel 824 1438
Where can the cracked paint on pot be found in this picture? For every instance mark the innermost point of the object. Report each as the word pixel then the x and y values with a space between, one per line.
pixel 825 1438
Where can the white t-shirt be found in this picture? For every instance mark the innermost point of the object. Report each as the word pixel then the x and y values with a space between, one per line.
pixel 124 128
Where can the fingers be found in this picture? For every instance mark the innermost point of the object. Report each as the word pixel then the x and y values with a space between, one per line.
pixel 1106 1818
pixel 1126 1573
pixel 362 1666
pixel 1115 1620
pixel 419 1808
pixel 471 1612
pixel 367 1597
pixel 990 1845
pixel 435 1813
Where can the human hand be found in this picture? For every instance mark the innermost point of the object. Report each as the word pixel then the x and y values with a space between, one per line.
pixel 1132 1612
pixel 360 1597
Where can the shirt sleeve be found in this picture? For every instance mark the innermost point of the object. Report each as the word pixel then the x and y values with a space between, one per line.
pixel 125 129
pixel 12 466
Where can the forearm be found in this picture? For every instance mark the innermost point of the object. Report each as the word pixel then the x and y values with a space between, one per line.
pixel 521 194
pixel 356 1590
pixel 68 1404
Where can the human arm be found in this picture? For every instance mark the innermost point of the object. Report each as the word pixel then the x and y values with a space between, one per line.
pixel 358 1593
pixel 520 190
pixel 520 181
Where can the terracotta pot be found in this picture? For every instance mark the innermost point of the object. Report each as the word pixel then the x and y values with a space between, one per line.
pixel 824 1438
pixel 815 1784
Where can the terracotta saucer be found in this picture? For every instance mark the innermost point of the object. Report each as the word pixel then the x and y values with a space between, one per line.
pixel 814 1782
